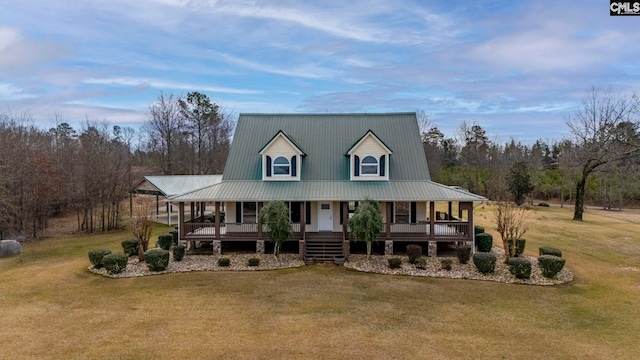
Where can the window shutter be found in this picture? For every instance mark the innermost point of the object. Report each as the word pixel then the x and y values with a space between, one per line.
pixel 268 165
pixel 307 212
pixel 293 166
pixel 341 211
pixel 382 165
pixel 238 213
pixel 393 215
pixel 413 212
pixel 356 165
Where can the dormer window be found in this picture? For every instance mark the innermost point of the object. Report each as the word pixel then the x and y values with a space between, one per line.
pixel 281 166
pixel 369 166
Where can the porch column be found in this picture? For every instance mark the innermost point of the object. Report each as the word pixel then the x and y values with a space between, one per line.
pixel 345 219
pixel 193 210
pixel 470 227
pixel 203 206
pixel 217 224
pixel 168 213
pixel 432 220
pixel 303 218
pixel 260 205
pixel 388 216
pixel 157 205
pixel 181 221
pixel 450 213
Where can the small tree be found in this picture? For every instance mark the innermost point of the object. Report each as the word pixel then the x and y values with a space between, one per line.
pixel 276 216
pixel 141 225
pixel 519 182
pixel 512 223
pixel 366 223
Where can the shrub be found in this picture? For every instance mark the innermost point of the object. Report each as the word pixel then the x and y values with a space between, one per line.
pixel 484 262
pixel 224 261
pixel 395 263
pixel 478 229
pixel 547 250
pixel 130 247
pixel 550 265
pixel 254 262
pixel 414 252
pixel 464 253
pixel 421 263
pixel 115 263
pixel 520 267
pixel 178 252
pixel 484 242
pixel 165 240
pixel 157 259
pixel 174 233
pixel 520 243
pixel 446 264
pixel 95 256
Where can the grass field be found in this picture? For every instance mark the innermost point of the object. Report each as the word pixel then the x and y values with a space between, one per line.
pixel 53 307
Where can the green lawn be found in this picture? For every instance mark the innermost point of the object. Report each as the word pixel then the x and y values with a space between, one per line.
pixel 53 307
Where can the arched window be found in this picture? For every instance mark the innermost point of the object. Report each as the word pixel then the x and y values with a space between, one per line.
pixel 369 166
pixel 281 166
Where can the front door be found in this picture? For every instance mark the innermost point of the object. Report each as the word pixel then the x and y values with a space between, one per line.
pixel 325 216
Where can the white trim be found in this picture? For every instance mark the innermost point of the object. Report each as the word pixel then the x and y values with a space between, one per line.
pixel 377 164
pixel 273 165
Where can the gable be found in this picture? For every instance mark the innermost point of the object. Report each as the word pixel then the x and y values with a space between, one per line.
pixel 325 139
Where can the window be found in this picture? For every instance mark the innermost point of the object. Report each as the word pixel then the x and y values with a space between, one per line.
pixel 281 166
pixel 402 212
pixel 369 166
pixel 249 213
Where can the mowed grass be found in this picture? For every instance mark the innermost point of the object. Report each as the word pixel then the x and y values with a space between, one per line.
pixel 53 307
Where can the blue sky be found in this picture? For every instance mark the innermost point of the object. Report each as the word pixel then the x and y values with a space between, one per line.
pixel 514 67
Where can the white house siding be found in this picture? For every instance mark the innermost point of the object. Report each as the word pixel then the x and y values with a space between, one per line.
pixel 280 147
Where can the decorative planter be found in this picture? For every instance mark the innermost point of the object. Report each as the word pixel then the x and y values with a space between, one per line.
pixel 309 260
pixel 339 260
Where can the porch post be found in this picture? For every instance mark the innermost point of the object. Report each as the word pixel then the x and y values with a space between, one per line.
pixel 450 213
pixel 217 224
pixel 168 213
pixel 157 205
pixel 432 220
pixel 303 218
pixel 471 229
pixel 345 219
pixel 193 210
pixel 388 217
pixel 260 205
pixel 181 220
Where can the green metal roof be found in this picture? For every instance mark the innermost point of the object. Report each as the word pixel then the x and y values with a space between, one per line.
pixel 325 139
pixel 338 190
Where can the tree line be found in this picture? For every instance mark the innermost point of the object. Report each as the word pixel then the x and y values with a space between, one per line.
pixel 89 171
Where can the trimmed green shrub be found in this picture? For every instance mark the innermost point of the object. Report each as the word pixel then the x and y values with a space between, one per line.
pixel 520 267
pixel 254 262
pixel 165 240
pixel 478 229
pixel 547 250
pixel 115 263
pixel 421 263
pixel 520 243
pixel 484 262
pixel 157 259
pixel 394 263
pixel 95 256
pixel 446 264
pixel 484 242
pixel 464 253
pixel 178 252
pixel 174 233
pixel 224 261
pixel 550 265
pixel 130 247
pixel 414 252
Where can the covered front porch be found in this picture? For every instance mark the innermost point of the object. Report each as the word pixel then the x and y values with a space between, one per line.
pixel 323 225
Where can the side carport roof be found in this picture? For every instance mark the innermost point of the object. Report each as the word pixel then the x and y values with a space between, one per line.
pixel 171 185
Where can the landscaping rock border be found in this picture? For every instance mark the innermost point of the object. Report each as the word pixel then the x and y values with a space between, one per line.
pixel 377 264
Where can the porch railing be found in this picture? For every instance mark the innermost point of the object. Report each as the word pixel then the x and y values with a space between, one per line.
pixel 208 230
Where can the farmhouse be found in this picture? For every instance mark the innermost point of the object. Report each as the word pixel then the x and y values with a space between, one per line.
pixel 321 166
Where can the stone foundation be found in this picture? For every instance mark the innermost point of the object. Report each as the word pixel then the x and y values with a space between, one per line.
pixel 217 247
pixel 432 249
pixel 388 247
pixel 259 246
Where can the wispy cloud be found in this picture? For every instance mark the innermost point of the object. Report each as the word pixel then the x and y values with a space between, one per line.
pixel 160 84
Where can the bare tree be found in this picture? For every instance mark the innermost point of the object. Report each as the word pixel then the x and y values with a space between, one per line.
pixel 141 224
pixel 512 223
pixel 604 129
pixel 165 127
